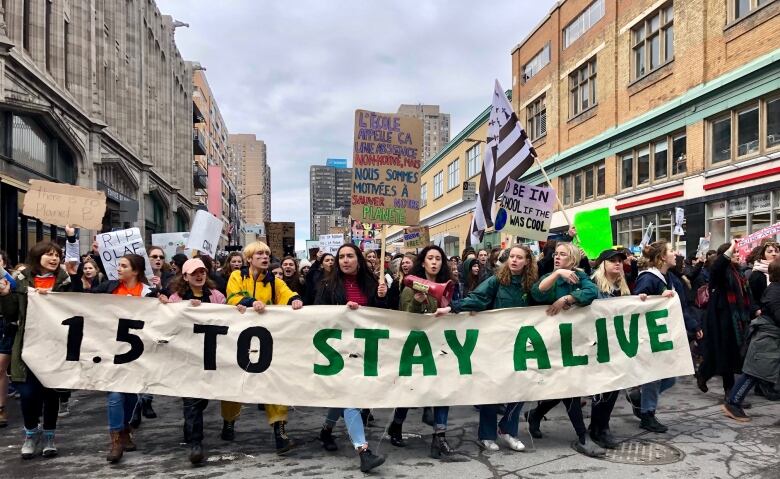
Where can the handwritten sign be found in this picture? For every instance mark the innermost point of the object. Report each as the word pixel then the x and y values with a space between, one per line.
pixel 417 237
pixel 526 210
pixel 115 244
pixel 172 243
pixel 61 204
pixel 331 243
pixel 281 238
pixel 386 168
pixel 205 232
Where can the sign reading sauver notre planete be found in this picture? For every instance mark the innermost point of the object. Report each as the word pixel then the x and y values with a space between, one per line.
pixel 386 169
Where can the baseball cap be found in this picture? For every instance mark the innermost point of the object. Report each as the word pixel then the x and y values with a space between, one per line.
pixel 609 254
pixel 192 265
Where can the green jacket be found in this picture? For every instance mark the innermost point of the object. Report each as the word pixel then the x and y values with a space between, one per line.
pixel 584 292
pixel 24 281
pixel 490 294
pixel 408 304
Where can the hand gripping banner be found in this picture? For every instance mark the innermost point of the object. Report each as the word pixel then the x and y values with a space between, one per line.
pixel 333 357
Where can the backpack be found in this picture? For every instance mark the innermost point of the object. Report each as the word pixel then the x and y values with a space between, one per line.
pixel 703 296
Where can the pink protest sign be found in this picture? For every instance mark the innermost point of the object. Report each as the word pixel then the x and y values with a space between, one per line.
pixel 749 242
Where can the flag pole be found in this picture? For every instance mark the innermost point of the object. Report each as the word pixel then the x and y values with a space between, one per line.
pixel 557 198
pixel 382 248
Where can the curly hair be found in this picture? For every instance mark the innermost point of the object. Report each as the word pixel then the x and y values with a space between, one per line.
pixel 530 271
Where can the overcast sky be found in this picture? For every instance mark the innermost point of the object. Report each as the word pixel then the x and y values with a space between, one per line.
pixel 294 72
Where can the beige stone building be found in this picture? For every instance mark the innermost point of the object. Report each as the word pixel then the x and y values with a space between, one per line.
pixel 94 94
pixel 253 179
pixel 436 126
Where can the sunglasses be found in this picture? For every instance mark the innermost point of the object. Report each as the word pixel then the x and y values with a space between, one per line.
pixel 155 256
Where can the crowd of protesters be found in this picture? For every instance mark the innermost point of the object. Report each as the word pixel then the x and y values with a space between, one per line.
pixel 731 308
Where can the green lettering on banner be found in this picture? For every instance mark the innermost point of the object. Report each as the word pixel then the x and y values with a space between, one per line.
pixel 408 359
pixel 567 348
pixel 335 361
pixel 538 351
pixel 371 355
pixel 602 343
pixel 462 351
pixel 655 330
pixel 630 344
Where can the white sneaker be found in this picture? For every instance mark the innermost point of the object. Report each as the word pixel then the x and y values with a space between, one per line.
pixel 32 443
pixel 488 445
pixel 64 410
pixel 511 442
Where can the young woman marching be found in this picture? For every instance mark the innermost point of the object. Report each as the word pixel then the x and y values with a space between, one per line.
pixel 255 286
pixel 656 280
pixel 291 276
pixel 321 267
pixel 509 288
pixel 233 262
pixel 431 265
pixel 566 286
pixel 44 274
pixel 472 273
pixel 351 283
pixel 405 268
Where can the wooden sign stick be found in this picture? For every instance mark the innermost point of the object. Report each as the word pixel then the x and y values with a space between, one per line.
pixel 557 198
pixel 382 249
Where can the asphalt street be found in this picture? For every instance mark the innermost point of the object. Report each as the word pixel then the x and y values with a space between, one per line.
pixel 701 443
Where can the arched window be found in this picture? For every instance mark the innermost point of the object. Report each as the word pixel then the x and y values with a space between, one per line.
pixel 34 148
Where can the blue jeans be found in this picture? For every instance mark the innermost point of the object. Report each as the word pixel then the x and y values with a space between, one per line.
pixel 120 409
pixel 353 422
pixel 440 415
pixel 651 391
pixel 508 424
pixel 741 388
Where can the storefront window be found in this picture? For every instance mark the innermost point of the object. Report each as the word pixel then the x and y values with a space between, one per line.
pixel 665 226
pixel 739 217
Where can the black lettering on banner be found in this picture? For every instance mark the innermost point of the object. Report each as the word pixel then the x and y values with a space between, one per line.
pixel 123 335
pixel 210 343
pixel 266 349
pixel 75 326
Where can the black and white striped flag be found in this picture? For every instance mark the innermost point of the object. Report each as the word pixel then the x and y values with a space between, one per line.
pixel 509 154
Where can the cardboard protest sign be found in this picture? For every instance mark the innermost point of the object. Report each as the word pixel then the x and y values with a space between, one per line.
pixel 61 204
pixel 331 243
pixel 320 355
pixel 280 237
pixel 386 168
pixel 205 232
pixel 417 237
pixel 172 243
pixel 749 242
pixel 115 244
pixel 594 231
pixel 526 210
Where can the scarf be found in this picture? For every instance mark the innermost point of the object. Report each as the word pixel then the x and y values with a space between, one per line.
pixel 738 298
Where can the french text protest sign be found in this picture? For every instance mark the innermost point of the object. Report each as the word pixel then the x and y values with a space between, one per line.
pixel 417 237
pixel 205 232
pixel 331 243
pixel 61 204
pixel 526 210
pixel 115 244
pixel 330 356
pixel 386 168
pixel 749 242
pixel 172 243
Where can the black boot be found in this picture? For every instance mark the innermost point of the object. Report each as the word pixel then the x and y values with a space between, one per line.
pixel 534 423
pixel 283 442
pixel 228 430
pixel 326 436
pixel 368 460
pixel 396 437
pixel 427 416
pixel 196 453
pixel 135 420
pixel 634 397
pixel 650 423
pixel 367 417
pixel 146 409
pixel 440 448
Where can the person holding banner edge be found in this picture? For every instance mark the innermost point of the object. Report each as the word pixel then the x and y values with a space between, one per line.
pixel 254 286
pixel 566 286
pixel 351 283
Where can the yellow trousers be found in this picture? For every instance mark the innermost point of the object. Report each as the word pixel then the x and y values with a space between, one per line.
pixel 275 413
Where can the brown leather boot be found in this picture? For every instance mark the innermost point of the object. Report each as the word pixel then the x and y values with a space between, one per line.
pixel 128 441
pixel 117 447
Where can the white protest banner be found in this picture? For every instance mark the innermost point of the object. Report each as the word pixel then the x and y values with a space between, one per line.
pixel 526 210
pixel 748 242
pixel 61 204
pixel 172 243
pixel 331 243
pixel 205 232
pixel 115 244
pixel 330 356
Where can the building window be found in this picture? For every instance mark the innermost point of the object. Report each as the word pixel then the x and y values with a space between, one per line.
pixel 453 174
pixel 740 8
pixel 424 194
pixel 631 230
pixel 438 184
pixel 583 22
pixel 582 88
pixel 652 41
pixel 472 156
pixel 584 185
pixel 652 163
pixel 537 118
pixel 741 216
pixel 25 24
pixel 539 61
pixel 47 35
pixel 66 54
pixel 746 131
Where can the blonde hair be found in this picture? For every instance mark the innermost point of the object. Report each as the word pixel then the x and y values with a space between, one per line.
pixel 605 285
pixel 254 248
pixel 574 252
pixel 530 271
